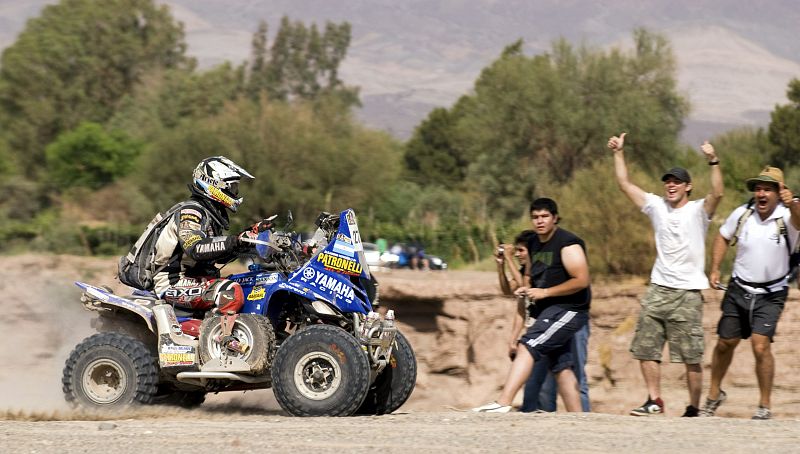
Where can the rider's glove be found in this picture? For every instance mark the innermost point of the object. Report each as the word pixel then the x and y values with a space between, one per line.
pixel 241 240
pixel 263 225
pixel 309 249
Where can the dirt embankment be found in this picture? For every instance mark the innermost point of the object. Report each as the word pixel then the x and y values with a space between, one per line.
pixel 457 325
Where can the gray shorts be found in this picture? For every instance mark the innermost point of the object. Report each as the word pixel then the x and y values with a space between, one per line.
pixel 746 313
pixel 674 316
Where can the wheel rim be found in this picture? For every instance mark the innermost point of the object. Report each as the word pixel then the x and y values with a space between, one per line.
pixel 240 331
pixel 104 381
pixel 317 375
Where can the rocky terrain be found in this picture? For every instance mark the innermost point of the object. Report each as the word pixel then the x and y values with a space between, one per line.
pixel 457 325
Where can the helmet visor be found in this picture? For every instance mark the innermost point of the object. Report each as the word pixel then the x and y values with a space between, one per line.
pixel 233 188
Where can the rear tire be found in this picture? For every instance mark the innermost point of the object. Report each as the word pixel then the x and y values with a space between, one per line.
pixel 254 330
pixel 320 371
pixel 110 371
pixel 394 384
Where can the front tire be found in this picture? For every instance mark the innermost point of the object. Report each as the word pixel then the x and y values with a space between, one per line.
pixel 320 371
pixel 110 371
pixel 250 329
pixel 394 384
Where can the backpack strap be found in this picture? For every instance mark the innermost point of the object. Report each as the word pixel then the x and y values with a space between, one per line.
pixel 741 221
pixel 171 212
pixel 784 233
pixel 131 257
pixel 792 251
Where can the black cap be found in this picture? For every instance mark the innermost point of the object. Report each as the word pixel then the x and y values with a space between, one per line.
pixel 679 173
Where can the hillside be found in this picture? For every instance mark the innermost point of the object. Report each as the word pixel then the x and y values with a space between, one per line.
pixel 735 57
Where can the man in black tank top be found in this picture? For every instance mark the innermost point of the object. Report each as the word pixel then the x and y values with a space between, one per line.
pixel 560 290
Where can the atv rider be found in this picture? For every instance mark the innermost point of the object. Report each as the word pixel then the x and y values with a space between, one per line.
pixel 192 243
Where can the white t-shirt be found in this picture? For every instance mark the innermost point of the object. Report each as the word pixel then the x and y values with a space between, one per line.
pixel 761 252
pixel 680 243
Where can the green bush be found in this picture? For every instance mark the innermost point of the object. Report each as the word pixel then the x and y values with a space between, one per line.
pixel 90 157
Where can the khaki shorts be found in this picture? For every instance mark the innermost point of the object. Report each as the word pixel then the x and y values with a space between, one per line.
pixel 674 316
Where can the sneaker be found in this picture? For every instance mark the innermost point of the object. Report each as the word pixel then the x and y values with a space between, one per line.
pixel 651 407
pixel 493 407
pixel 691 412
pixel 762 413
pixel 711 405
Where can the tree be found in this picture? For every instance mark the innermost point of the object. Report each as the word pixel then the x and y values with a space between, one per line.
pixel 431 156
pixel 303 63
pixel 90 157
pixel 534 121
pixel 75 62
pixel 306 157
pixel 784 129
pixel 258 74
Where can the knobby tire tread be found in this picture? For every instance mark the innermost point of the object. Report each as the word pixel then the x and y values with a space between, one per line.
pixel 144 363
pixel 356 387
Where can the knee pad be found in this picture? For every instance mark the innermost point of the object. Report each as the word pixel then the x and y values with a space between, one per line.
pixel 227 295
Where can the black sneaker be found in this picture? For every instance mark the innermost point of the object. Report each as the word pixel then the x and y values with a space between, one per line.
pixel 711 405
pixel 691 412
pixel 650 407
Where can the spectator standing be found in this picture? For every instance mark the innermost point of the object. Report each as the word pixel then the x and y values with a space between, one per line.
pixel 540 390
pixel 765 232
pixel 672 308
pixel 561 307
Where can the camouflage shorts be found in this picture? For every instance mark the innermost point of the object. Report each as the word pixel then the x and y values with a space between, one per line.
pixel 674 316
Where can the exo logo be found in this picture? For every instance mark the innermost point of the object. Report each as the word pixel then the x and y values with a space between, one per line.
pixel 182 292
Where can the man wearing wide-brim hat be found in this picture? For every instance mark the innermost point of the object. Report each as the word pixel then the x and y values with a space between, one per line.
pixel 765 231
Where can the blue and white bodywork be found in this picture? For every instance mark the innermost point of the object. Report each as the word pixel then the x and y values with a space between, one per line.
pixel 336 275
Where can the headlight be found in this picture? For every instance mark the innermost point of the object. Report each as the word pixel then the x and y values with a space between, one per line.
pixel 322 308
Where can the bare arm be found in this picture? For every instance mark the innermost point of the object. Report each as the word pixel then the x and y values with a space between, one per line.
pixel 508 284
pixel 574 260
pixel 718 250
pixel 713 197
pixel 502 278
pixel 794 205
pixel 635 193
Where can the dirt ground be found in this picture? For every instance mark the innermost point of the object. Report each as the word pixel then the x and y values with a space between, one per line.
pixel 457 325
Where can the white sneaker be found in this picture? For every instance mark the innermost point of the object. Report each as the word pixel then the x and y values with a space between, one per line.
pixel 493 407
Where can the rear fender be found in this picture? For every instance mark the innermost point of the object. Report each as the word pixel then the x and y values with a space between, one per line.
pixel 96 298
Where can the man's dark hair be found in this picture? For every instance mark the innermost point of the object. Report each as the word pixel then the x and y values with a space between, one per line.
pixel 544 203
pixel 524 236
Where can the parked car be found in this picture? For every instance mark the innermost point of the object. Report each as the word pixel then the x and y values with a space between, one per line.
pixel 376 259
pixel 372 254
pixel 398 257
pixel 436 263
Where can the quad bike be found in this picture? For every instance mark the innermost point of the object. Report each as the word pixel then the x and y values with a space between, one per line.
pixel 308 330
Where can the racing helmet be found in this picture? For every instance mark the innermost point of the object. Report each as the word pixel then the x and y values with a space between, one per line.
pixel 217 178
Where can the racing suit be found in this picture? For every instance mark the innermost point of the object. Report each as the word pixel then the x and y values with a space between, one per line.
pixel 186 253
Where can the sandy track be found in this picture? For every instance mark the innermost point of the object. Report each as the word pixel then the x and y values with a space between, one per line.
pixel 405 432
pixel 456 323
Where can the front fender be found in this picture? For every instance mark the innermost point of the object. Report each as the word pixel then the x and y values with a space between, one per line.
pixel 259 297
